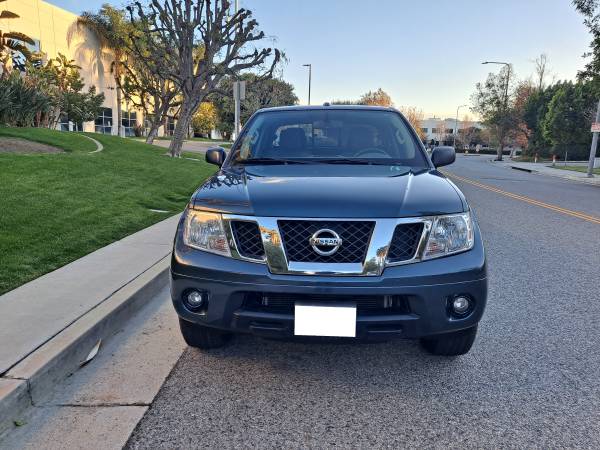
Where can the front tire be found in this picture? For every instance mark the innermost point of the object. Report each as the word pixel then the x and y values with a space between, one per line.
pixel 451 344
pixel 203 337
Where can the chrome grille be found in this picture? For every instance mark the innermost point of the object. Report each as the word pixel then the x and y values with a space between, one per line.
pixel 405 242
pixel 247 239
pixel 355 237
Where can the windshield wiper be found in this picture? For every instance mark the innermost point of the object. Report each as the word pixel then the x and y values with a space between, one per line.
pixel 355 161
pixel 271 161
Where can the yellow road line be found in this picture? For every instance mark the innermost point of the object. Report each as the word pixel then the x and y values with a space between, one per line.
pixel 531 201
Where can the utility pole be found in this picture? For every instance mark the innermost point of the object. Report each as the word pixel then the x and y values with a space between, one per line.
pixel 590 172
pixel 456 126
pixel 239 94
pixel 309 79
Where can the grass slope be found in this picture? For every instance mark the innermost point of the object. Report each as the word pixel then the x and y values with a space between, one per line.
pixel 58 208
pixel 583 169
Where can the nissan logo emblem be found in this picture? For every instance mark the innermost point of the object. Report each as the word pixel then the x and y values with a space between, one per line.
pixel 325 242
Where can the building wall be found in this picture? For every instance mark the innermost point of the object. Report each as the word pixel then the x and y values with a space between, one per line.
pixel 431 126
pixel 54 31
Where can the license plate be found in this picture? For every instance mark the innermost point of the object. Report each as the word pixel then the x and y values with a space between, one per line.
pixel 334 321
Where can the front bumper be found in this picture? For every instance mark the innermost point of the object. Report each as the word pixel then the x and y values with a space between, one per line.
pixel 427 286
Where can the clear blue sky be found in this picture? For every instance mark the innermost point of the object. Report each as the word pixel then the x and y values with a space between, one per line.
pixel 424 54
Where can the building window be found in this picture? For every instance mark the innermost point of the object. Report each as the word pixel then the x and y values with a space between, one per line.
pixel 19 62
pixel 103 123
pixel 425 130
pixel 449 130
pixel 170 128
pixel 64 124
pixel 129 122
pixel 434 130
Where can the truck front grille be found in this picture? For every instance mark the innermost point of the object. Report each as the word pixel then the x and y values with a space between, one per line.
pixel 281 303
pixel 355 237
pixel 247 239
pixel 405 242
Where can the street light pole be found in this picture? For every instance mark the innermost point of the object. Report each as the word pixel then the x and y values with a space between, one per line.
pixel 505 95
pixel 456 126
pixel 309 79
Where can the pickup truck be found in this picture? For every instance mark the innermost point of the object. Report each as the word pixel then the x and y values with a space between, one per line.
pixel 329 221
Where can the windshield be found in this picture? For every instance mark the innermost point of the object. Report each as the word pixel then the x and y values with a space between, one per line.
pixel 335 136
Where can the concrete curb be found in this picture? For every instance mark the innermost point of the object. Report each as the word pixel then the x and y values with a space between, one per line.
pixel 99 146
pixel 523 169
pixel 32 380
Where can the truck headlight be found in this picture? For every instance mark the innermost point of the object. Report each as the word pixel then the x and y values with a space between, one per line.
pixel 205 231
pixel 450 234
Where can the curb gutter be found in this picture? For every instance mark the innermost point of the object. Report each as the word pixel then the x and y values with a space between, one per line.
pixel 32 380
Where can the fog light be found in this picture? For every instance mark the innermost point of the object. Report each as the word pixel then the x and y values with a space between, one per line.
pixel 196 299
pixel 461 305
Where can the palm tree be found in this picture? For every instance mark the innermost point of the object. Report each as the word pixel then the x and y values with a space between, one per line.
pixel 12 43
pixel 111 28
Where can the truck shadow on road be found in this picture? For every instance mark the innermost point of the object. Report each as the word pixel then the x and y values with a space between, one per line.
pixel 341 362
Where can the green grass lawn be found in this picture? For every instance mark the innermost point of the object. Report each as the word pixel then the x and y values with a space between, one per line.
pixel 583 169
pixel 56 208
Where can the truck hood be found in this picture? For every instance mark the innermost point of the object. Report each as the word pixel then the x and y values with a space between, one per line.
pixel 339 191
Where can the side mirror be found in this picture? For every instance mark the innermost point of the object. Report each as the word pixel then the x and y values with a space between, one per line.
pixel 216 156
pixel 442 156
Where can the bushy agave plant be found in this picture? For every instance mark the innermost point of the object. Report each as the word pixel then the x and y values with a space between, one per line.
pixel 39 96
pixel 22 104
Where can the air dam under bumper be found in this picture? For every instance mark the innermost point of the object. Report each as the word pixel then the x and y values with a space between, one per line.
pixel 426 287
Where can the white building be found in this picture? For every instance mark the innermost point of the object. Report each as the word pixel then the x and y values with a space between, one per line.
pixel 53 30
pixel 438 129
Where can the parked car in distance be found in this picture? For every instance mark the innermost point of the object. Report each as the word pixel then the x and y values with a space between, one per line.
pixel 329 221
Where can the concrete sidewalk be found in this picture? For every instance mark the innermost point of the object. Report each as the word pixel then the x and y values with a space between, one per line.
pixel 100 404
pixel 199 147
pixel 34 313
pixel 545 168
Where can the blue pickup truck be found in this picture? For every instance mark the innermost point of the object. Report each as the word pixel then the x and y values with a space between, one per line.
pixel 329 221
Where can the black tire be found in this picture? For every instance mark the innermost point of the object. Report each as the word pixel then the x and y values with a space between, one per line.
pixel 451 344
pixel 202 337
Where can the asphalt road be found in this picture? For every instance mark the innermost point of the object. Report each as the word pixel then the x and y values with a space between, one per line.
pixel 531 380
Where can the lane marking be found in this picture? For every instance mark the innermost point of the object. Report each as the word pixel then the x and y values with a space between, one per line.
pixel 529 200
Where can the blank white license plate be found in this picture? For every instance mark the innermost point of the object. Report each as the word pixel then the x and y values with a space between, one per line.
pixel 335 321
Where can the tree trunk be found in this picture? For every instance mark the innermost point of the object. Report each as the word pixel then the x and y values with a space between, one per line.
pixel 182 127
pixel 119 96
pixel 500 145
pixel 153 131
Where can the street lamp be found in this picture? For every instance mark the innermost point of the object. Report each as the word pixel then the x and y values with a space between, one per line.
pixel 309 78
pixel 456 125
pixel 505 95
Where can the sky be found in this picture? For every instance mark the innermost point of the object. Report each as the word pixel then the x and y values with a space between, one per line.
pixel 425 54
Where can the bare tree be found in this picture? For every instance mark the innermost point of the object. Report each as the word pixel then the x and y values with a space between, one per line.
pixel 146 88
pixel 541 70
pixel 441 131
pixel 153 95
pixel 181 29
